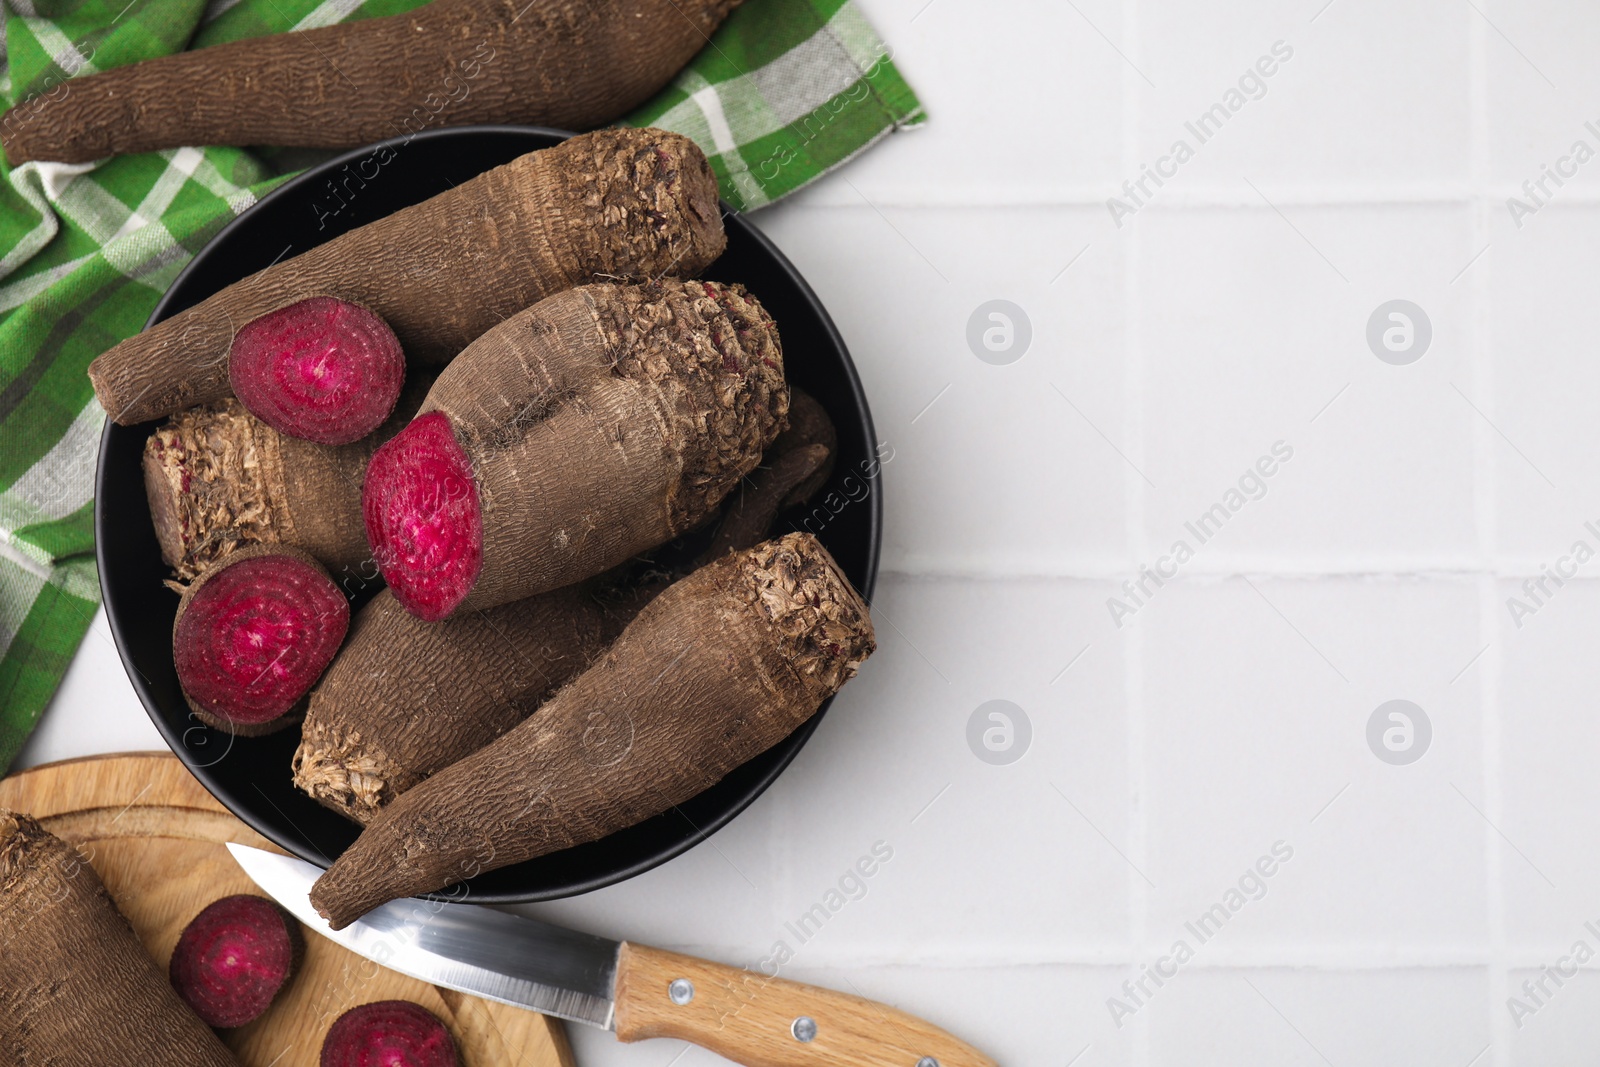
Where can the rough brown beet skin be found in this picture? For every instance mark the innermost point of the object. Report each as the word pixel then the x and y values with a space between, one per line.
pixel 749 513
pixel 571 64
pixel 77 989
pixel 808 425
pixel 719 667
pixel 613 203
pixel 406 698
pixel 598 424
pixel 388 714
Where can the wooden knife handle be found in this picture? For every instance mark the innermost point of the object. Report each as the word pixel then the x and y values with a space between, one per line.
pixel 769 1022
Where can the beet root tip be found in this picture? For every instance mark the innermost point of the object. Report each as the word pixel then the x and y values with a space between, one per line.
pixel 321 369
pixel 423 518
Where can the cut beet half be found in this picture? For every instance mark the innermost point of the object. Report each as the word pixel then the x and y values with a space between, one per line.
pixel 390 1033
pixel 322 369
pixel 235 956
pixel 424 523
pixel 254 633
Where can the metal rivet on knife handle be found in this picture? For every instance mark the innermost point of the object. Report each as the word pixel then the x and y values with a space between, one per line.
pixel 759 1020
pixel 681 991
pixel 927 1061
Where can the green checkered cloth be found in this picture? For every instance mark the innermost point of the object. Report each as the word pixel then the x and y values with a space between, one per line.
pixel 784 92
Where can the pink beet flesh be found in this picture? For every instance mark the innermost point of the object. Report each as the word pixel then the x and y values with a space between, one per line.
pixel 424 523
pixel 257 636
pixel 233 959
pixel 322 369
pixel 390 1033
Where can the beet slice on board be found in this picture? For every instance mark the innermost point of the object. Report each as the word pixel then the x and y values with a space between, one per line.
pixel 234 957
pixel 389 1033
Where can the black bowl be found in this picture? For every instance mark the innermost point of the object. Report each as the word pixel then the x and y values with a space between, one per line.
pixel 251 776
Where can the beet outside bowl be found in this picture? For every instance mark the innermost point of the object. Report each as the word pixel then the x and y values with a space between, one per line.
pixel 251 776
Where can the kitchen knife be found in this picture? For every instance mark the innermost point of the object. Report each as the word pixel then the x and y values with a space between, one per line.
pixel 637 991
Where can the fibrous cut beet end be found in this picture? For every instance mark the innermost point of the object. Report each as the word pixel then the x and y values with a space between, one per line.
pixel 424 522
pixel 255 633
pixel 322 369
pixel 390 1033
pixel 234 958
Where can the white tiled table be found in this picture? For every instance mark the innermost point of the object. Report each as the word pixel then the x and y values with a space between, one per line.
pixel 1229 713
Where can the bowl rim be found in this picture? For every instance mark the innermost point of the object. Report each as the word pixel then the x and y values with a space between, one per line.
pixel 787 749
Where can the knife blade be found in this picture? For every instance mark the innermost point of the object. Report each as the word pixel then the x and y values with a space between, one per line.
pixel 522 962
pixel 749 1017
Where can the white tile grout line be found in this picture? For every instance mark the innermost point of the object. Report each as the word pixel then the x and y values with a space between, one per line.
pixel 1484 483
pixel 1489 672
pixel 1134 481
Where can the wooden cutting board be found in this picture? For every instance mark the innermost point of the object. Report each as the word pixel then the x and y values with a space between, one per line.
pixel 157 838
